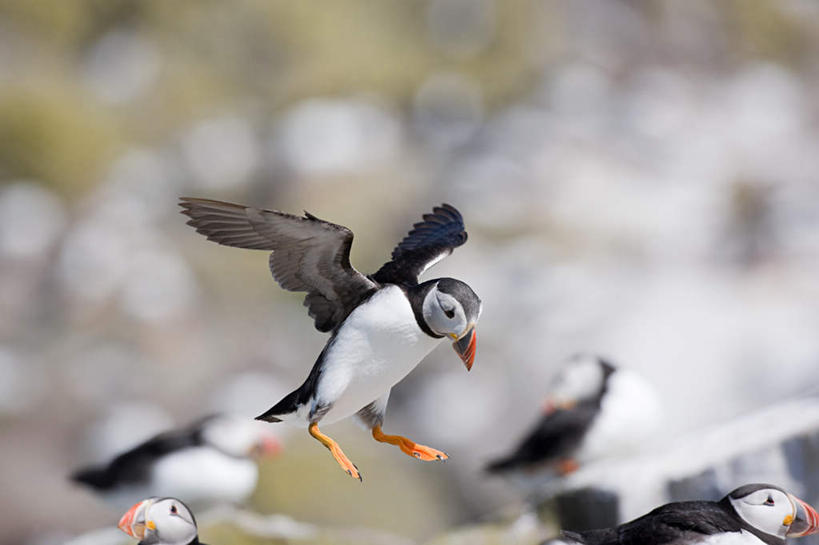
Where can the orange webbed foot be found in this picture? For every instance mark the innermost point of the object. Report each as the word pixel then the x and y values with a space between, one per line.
pixel 346 465
pixel 409 447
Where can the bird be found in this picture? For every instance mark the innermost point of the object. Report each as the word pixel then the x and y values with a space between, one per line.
pixel 594 409
pixel 160 521
pixel 753 514
pixel 213 460
pixel 381 325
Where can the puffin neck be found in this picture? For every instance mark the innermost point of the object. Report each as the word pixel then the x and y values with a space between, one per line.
pixel 416 295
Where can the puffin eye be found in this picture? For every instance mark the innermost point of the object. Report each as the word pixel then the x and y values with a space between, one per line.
pixel 450 313
pixel 174 510
pixel 769 501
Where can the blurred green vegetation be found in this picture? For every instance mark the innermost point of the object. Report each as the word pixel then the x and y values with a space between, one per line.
pixel 267 55
pixel 308 485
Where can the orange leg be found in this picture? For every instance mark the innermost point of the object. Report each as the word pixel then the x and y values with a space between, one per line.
pixel 411 448
pixel 335 450
pixel 567 465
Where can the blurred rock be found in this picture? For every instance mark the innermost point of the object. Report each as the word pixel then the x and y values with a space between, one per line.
pixel 121 66
pixel 222 152
pixel 31 220
pixel 320 137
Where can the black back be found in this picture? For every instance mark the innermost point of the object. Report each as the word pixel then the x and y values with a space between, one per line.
pixel 558 433
pixel 134 466
pixel 678 523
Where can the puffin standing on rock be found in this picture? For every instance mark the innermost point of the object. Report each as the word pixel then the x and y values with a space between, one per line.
pixel 754 514
pixel 594 410
pixel 161 521
pixel 381 325
pixel 211 461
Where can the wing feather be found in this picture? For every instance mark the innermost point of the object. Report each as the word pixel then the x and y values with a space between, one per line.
pixel 428 242
pixel 307 254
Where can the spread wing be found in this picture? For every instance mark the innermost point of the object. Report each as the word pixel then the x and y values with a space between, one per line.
pixel 307 254
pixel 427 243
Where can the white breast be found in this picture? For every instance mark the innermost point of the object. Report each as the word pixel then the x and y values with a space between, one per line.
pixel 630 413
pixel 203 474
pixel 378 345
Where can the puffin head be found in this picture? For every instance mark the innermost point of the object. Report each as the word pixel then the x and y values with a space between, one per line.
pixel 160 521
pixel 584 377
pixel 239 437
pixel 452 309
pixel 773 511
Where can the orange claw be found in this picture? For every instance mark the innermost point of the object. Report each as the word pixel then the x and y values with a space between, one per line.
pixel 346 465
pixel 421 452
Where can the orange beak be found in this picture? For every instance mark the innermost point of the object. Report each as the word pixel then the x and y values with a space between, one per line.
pixel 133 521
pixel 466 347
pixel 806 521
pixel 269 446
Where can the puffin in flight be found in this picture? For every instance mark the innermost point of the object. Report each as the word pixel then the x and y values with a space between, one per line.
pixel 213 460
pixel 382 325
pixel 160 521
pixel 593 410
pixel 754 514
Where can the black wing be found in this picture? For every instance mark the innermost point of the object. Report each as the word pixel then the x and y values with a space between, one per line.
pixel 679 522
pixel 308 254
pixel 556 435
pixel 134 466
pixel 428 242
pixel 671 524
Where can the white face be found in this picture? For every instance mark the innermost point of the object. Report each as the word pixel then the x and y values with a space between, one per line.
pixel 444 314
pixel 238 436
pixel 768 510
pixel 581 379
pixel 168 522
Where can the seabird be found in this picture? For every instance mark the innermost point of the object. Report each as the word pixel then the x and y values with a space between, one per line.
pixel 382 325
pixel 754 514
pixel 211 461
pixel 593 410
pixel 160 521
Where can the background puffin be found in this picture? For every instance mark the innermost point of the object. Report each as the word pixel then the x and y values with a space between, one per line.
pixel 753 514
pixel 593 410
pixel 382 325
pixel 161 521
pixel 213 460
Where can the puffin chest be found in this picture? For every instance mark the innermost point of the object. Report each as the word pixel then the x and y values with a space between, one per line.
pixel 379 343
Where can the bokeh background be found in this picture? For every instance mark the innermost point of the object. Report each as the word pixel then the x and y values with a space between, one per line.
pixel 639 178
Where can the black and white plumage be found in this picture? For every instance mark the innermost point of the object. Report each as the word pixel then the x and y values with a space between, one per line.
pixel 594 410
pixel 211 461
pixel 382 325
pixel 754 514
pixel 161 521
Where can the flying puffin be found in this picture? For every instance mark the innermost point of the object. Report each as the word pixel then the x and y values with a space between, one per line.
pixel 161 521
pixel 381 325
pixel 594 410
pixel 211 461
pixel 754 514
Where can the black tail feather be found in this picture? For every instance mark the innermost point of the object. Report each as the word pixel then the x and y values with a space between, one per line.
pixel 94 477
pixel 288 404
pixel 502 465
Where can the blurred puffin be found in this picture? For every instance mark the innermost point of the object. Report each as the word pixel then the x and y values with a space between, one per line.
pixel 161 521
pixel 382 325
pixel 211 461
pixel 754 514
pixel 593 410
